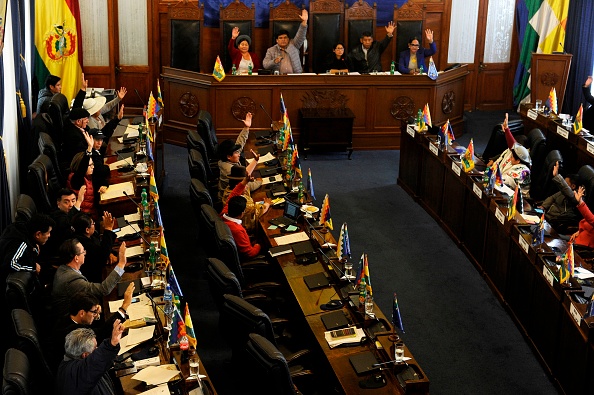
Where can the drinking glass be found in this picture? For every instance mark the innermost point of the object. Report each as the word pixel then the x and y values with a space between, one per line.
pixel 398 352
pixel 538 104
pixel 194 364
pixel 369 307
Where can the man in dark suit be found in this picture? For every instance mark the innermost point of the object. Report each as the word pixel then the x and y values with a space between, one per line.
pixel 367 57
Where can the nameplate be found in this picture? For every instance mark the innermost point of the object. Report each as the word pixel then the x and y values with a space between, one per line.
pixel 524 244
pixel 561 131
pixel 477 191
pixel 456 169
pixel 590 148
pixel 433 148
pixel 532 114
pixel 575 314
pixel 499 215
pixel 410 129
pixel 548 275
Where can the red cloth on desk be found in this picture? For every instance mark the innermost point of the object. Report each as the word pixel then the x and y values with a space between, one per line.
pixel 240 235
pixel 585 236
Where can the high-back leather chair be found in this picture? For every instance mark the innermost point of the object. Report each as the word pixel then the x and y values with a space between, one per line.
pixel 325 29
pixel 538 149
pixel 264 363
pixel 358 18
pixel 586 177
pixel 541 182
pixel 209 217
pixel 409 23
pixel 285 16
pixel 16 376
pixel 25 208
pixel 195 141
pixel 207 131
pixel 58 111
pixel 221 281
pixel 497 143
pixel 27 340
pixel 199 195
pixel 43 183
pixel 197 166
pixel 47 147
pixel 186 26
pixel 20 288
pixel 235 14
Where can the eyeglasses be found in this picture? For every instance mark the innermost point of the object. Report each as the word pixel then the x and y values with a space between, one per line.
pixel 414 45
pixel 94 312
pixel 84 252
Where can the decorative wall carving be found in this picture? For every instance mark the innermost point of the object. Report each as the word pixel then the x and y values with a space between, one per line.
pixel 189 11
pixel 235 10
pixel 410 10
pixel 325 6
pixel 189 105
pixel 359 10
pixel 549 78
pixel 241 106
pixel 330 98
pixel 284 10
pixel 448 102
pixel 403 108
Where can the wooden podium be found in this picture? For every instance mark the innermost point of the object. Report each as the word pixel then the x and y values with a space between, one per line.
pixel 549 70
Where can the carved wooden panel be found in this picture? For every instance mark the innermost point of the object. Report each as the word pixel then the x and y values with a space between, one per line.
pixel 236 10
pixel 285 11
pixel 326 6
pixel 241 106
pixel 189 105
pixel 403 107
pixel 189 11
pixel 409 11
pixel 324 99
pixel 448 102
pixel 360 10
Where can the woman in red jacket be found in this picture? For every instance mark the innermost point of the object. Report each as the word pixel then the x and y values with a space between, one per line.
pixel 239 49
pixel 585 234
pixel 81 176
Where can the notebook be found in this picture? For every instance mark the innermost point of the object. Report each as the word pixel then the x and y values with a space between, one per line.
pixel 303 248
pixel 334 320
pixel 364 363
pixel 122 285
pixel 315 281
pixel 289 217
pixel 267 172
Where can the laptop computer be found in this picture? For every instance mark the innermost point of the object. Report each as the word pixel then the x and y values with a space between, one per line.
pixel 334 320
pixel 289 216
pixel 364 363
pixel 316 281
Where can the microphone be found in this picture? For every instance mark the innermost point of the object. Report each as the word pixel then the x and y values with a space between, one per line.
pixel 125 168
pixel 133 201
pixel 266 112
pixel 138 94
pixel 137 231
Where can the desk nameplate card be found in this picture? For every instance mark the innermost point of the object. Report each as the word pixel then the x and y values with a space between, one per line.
pixel 548 275
pixel 532 114
pixel 590 148
pixel 456 168
pixel 523 243
pixel 410 129
pixel 575 314
pixel 499 215
pixel 433 148
pixel 477 191
pixel 561 131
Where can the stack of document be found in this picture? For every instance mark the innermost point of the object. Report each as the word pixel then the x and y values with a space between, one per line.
pixel 350 335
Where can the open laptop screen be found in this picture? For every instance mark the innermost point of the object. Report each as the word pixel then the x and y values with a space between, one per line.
pixel 291 209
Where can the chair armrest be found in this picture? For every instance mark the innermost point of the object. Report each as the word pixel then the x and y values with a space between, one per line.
pixel 255 263
pixel 267 285
pixel 296 355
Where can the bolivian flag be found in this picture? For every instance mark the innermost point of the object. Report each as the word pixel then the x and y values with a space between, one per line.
pixel 578 123
pixel 219 72
pixel 58 43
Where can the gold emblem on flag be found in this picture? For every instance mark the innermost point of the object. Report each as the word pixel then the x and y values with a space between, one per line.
pixel 60 43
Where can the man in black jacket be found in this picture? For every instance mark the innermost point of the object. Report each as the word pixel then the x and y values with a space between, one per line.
pixel 367 57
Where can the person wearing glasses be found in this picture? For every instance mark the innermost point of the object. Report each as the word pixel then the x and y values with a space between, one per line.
pixel 412 59
pixel 284 55
pixel 337 60
pixel 85 312
pixel 366 58
pixel 69 280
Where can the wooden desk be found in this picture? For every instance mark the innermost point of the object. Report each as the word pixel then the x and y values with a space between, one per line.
pixel 326 128
pixel 379 102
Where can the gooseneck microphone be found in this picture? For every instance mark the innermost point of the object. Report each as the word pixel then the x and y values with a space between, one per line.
pixel 138 232
pixel 266 112
pixel 138 94
pixel 124 168
pixel 133 201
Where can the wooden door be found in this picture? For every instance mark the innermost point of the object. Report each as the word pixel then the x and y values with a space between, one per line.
pixel 494 54
pixel 116 50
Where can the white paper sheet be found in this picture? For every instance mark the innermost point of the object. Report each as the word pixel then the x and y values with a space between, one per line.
pixel 291 238
pixel 262 159
pixel 155 375
pixel 117 190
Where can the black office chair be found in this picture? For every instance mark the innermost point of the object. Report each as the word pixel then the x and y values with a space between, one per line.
pixel 207 221
pixel 238 318
pixel 267 370
pixel 197 168
pixel 207 131
pixel 199 195
pixel 536 143
pixel 58 111
pixel 16 377
pixel 497 143
pixel 195 141
pixel 223 281
pixel 25 208
pixel 541 182
pixel 43 183
pixel 246 270
pixel 27 339
pixel 586 178
pixel 47 146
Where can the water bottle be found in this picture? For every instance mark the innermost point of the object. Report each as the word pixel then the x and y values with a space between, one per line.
pixel 152 258
pixel 250 69
pixel 143 197
pixel 392 67
pixel 362 292
pixel 146 217
pixel 421 70
pixel 184 346
pixel 168 309
pixel 233 70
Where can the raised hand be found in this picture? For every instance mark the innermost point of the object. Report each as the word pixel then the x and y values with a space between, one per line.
pixel 588 81
pixel 556 169
pixel 390 28
pixel 122 92
pixel 248 120
pixel 89 140
pixel 504 124
pixel 304 16
pixel 108 221
pixel 234 32
pixel 84 83
pixel 121 112
pixel 429 35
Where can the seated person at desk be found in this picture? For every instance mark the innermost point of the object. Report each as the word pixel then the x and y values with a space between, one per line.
pixel 253 210
pixel 519 171
pixel 81 176
pixel 367 57
pixel 97 107
pixel 561 207
pixel 68 206
pixel 588 118
pixel 68 279
pixel 86 365
pixel 74 140
pixel 230 152
pixel 232 213
pixel 83 312
pixel 98 248
pixel 337 60
pixel 504 159
pixel 96 121
pixel 284 56
pixel 584 237
pixel 239 50
pixel 411 60
pixel 101 172
pixel 53 85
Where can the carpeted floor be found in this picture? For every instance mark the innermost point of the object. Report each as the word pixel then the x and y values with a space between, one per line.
pixel 455 327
